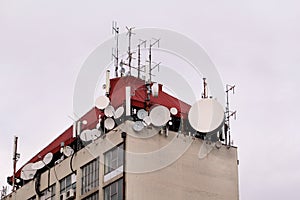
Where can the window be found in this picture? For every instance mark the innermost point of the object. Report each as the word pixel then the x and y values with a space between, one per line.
pixel 114 191
pixel 94 196
pixel 67 183
pixel 49 193
pixel 113 159
pixel 90 176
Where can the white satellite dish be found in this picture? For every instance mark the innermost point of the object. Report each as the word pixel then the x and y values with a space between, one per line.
pixel 173 111
pixel 48 158
pixel 28 172
pixel 102 102
pixel 206 115
pixel 84 122
pixel 119 112
pixel 38 165
pixel 138 126
pixel 147 120
pixel 109 123
pixel 141 114
pixel 109 111
pixel 154 89
pixel 85 135
pixel 159 115
pixel 95 133
pixel 68 151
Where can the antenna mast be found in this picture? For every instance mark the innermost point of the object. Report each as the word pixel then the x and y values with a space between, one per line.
pixel 129 33
pixel 16 157
pixel 204 94
pixel 115 31
pixel 228 114
pixel 142 42
pixel 150 57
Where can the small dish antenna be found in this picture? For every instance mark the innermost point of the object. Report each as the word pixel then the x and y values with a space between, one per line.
pixel 38 165
pixel 48 158
pixel 206 115
pixel 109 111
pixel 173 111
pixel 95 133
pixel 159 115
pixel 138 126
pixel 119 112
pixel 109 123
pixel 28 172
pixel 102 102
pixel 141 114
pixel 68 151
pixel 85 135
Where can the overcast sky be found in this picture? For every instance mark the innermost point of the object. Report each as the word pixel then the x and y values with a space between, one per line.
pixel 254 44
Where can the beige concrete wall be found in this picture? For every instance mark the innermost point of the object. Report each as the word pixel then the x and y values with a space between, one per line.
pixel 213 177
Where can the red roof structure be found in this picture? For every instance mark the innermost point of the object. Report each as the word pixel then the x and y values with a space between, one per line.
pixel 117 98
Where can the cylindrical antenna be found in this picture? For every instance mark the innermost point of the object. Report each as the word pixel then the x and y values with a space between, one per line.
pixel 107 82
pixel 15 160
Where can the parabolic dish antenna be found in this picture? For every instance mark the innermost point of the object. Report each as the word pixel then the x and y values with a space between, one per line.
pixel 48 157
pixel 95 133
pixel 109 123
pixel 138 126
pixel 28 172
pixel 102 102
pixel 38 165
pixel 68 151
pixel 206 115
pixel 147 120
pixel 173 111
pixel 85 135
pixel 109 111
pixel 141 114
pixel 159 115
pixel 119 112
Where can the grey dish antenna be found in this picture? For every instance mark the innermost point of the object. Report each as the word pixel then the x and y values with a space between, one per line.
pixel 159 115
pixel 141 114
pixel 38 165
pixel 28 172
pixel 109 123
pixel 206 115
pixel 119 112
pixel 138 126
pixel 102 102
pixel 109 111
pixel 68 151
pixel 48 158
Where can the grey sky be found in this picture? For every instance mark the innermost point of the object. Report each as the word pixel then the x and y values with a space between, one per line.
pixel 254 44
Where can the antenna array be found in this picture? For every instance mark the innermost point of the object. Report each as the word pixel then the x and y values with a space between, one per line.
pixel 228 114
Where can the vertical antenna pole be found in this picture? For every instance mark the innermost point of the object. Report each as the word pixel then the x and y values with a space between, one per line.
pixel 107 82
pixel 228 115
pixel 116 54
pixel 204 95
pixel 139 60
pixel 15 159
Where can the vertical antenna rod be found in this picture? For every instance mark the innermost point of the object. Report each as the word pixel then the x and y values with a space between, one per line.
pixel 228 115
pixel 143 42
pixel 115 30
pixel 150 55
pixel 16 157
pixel 129 33
pixel 204 95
